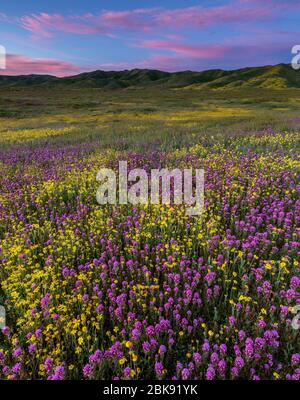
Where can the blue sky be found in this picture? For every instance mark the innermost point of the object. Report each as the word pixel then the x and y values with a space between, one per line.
pixel 68 37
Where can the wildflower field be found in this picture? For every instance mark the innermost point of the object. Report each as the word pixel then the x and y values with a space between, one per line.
pixel 147 292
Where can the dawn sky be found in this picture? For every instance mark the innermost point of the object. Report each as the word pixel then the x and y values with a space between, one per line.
pixel 64 37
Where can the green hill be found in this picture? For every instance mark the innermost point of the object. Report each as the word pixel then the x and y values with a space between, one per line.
pixel 279 76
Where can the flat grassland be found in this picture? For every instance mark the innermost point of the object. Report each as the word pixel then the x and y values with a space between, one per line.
pixel 138 116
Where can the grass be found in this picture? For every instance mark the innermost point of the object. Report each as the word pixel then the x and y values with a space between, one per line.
pixel 35 115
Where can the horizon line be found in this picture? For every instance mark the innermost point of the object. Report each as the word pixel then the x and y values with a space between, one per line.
pixel 140 69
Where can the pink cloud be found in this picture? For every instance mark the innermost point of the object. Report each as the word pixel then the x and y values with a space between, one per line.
pixel 201 51
pixel 200 16
pixel 232 55
pixel 163 62
pixel 44 25
pixel 149 19
pixel 24 65
pixel 139 19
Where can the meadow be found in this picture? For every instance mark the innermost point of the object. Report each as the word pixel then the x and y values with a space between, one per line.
pixel 147 292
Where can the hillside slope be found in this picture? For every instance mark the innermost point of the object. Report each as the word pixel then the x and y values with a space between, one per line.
pixel 273 77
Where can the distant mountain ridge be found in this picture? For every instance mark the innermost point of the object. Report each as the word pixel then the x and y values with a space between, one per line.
pixel 279 76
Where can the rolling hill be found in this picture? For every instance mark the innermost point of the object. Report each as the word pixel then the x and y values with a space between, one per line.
pixel 279 76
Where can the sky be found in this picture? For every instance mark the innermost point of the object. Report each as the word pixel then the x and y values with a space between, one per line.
pixel 67 37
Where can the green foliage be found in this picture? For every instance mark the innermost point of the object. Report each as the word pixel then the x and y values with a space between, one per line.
pixel 276 77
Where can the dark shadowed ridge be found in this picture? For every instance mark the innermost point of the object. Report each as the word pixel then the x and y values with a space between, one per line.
pixel 279 76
